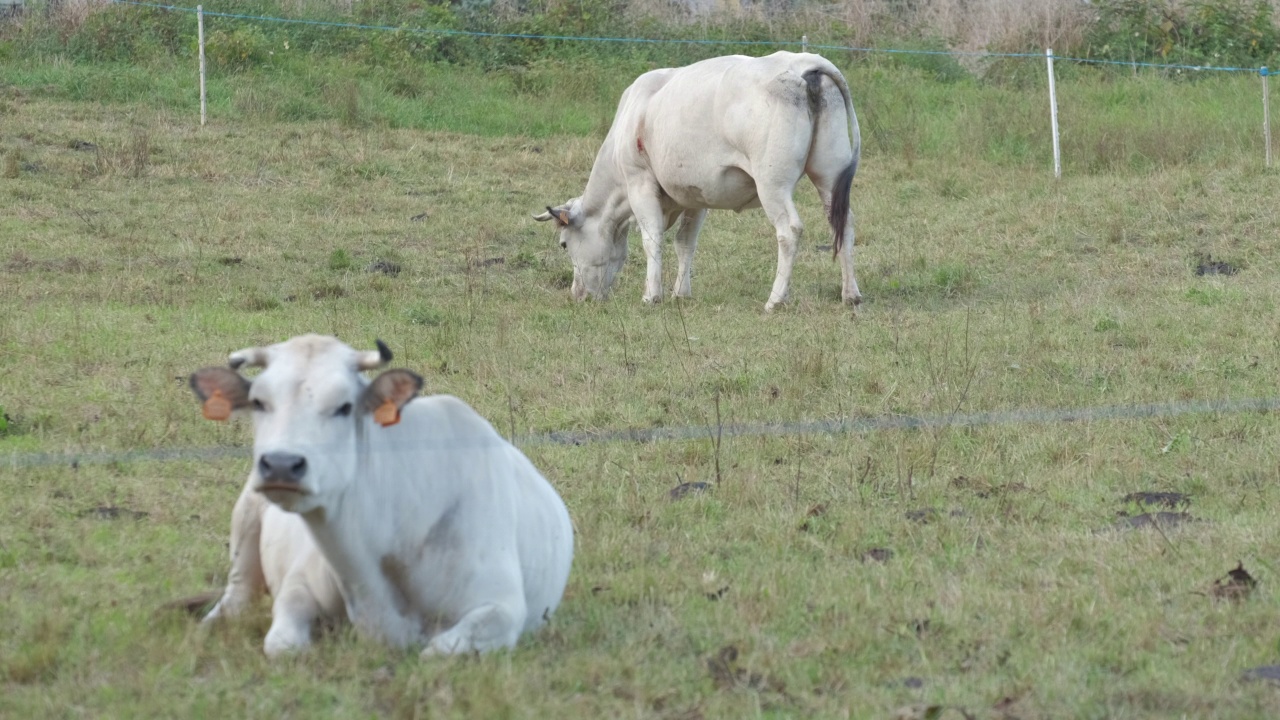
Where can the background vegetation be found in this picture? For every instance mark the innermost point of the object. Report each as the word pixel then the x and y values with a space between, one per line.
pixel 358 183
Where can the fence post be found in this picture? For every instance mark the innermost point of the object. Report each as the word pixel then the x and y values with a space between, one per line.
pixel 200 31
pixel 1266 113
pixel 804 43
pixel 1053 114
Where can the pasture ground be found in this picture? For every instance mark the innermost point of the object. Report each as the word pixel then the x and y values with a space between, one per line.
pixel 135 248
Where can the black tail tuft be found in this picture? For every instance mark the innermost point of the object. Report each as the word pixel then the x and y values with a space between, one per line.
pixel 839 216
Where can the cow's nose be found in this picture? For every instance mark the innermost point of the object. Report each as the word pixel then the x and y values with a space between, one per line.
pixel 282 467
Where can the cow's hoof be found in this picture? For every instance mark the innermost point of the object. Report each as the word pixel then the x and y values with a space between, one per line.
pixel 854 300
pixel 652 299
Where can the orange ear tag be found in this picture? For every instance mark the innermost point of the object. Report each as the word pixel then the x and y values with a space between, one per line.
pixel 217 407
pixel 387 414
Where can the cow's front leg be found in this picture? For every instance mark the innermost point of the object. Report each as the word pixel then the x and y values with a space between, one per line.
pixel 293 614
pixel 686 244
pixel 245 581
pixel 647 211
pixel 488 627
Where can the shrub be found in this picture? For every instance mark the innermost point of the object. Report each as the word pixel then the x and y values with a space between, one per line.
pixel 238 49
pixel 1201 32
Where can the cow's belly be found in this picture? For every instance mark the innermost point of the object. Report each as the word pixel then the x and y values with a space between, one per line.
pixel 720 189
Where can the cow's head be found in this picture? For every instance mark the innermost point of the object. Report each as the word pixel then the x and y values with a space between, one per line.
pixel 312 411
pixel 597 247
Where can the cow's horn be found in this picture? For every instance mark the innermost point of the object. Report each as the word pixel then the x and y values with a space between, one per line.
pixel 374 358
pixel 249 357
pixel 543 217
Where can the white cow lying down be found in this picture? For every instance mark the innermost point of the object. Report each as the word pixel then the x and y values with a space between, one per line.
pixel 731 132
pixel 416 519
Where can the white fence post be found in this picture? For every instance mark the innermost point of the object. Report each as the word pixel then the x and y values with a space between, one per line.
pixel 200 30
pixel 1053 113
pixel 1266 114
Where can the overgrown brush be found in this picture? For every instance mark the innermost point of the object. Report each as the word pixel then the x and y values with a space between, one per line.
pixel 1218 32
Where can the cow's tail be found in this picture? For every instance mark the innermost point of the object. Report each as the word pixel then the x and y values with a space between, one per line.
pixel 838 213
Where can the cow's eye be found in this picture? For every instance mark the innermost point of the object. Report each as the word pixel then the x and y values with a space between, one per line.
pixel 343 411
pixel 257 405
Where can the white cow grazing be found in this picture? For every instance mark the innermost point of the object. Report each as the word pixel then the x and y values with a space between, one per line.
pixel 730 133
pixel 273 550
pixel 438 530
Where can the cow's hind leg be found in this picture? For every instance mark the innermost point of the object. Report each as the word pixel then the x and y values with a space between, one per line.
pixel 781 210
pixel 488 627
pixel 686 243
pixel 245 581
pixel 828 184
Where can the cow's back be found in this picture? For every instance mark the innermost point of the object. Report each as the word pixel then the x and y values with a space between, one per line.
pixel 713 127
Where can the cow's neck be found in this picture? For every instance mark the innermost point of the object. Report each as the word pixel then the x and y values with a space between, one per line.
pixel 606 193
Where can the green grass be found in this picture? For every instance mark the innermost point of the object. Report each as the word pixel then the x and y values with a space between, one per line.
pixel 163 247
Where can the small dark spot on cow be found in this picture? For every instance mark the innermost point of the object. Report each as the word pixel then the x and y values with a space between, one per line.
pixel 688 488
pixel 1163 499
pixel 385 267
pixel 82 146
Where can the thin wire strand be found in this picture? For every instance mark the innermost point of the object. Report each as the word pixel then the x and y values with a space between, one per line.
pixel 841 426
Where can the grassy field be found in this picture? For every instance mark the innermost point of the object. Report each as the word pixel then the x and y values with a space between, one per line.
pixel 850 575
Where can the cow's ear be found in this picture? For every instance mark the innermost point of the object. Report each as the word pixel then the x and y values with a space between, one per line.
pixel 388 393
pixel 221 390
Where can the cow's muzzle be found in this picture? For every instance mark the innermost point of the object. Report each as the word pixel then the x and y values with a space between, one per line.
pixel 281 471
